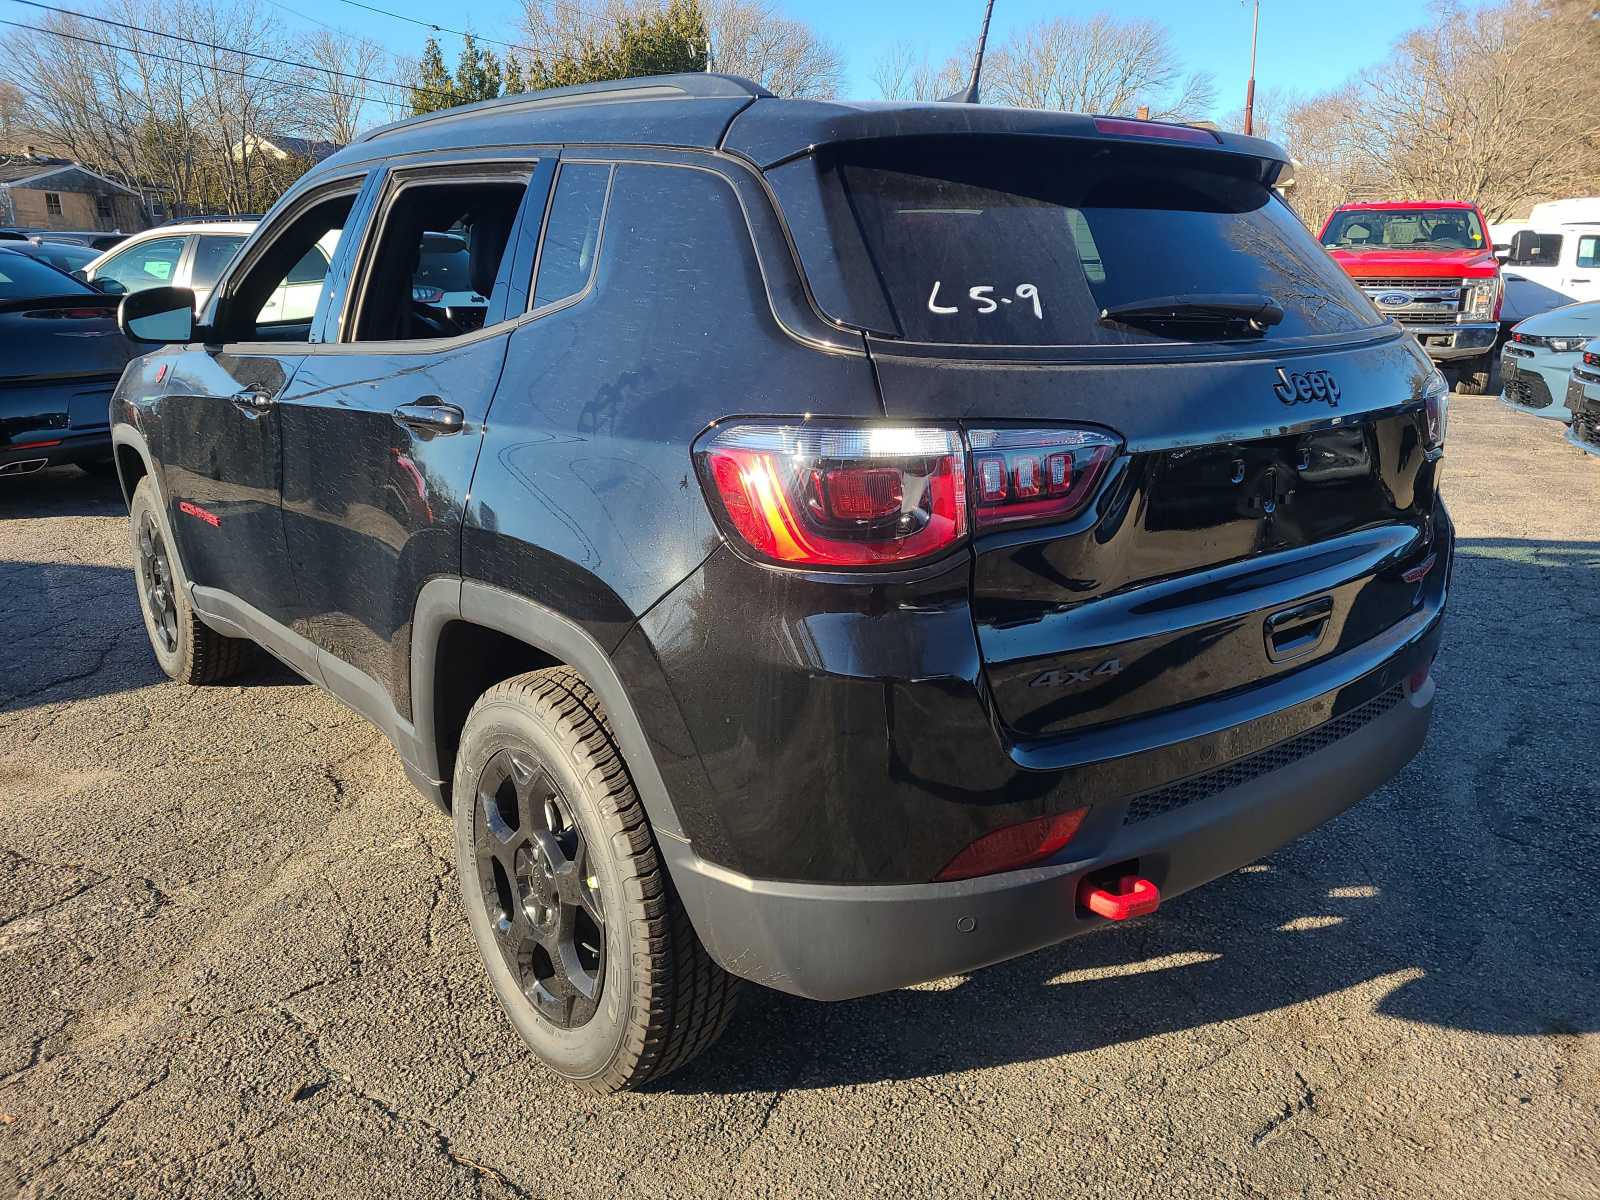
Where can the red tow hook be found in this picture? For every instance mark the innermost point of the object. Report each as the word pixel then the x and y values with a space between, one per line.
pixel 1135 897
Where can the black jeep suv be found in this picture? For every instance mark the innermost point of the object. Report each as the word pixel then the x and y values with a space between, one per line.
pixel 855 544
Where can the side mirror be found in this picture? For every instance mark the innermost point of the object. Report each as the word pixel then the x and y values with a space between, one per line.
pixel 162 315
pixel 111 287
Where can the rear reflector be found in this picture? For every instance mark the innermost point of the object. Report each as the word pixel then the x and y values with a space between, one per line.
pixel 1123 127
pixel 835 495
pixel 1014 846
pixel 34 445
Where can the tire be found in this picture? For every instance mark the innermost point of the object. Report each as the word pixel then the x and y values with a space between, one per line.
pixel 558 865
pixel 1472 377
pixel 185 648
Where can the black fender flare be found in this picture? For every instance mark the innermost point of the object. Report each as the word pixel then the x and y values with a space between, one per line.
pixel 444 600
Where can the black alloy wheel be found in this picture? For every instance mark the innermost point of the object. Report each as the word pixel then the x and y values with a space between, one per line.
pixel 541 888
pixel 160 589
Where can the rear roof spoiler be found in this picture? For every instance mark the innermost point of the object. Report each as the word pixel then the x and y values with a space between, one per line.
pixel 769 132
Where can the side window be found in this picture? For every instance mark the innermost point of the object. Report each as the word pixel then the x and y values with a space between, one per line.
pixel 572 232
pixel 147 265
pixel 263 304
pixel 1589 251
pixel 433 268
pixel 210 256
pixel 312 267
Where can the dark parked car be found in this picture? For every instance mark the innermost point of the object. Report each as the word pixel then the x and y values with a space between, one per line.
pixel 60 356
pixel 856 545
pixel 63 256
pixel 97 240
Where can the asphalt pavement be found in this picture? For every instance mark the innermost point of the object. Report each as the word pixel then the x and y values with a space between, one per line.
pixel 233 962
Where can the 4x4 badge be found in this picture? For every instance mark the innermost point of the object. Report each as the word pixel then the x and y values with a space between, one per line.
pixel 1307 387
pixel 1067 678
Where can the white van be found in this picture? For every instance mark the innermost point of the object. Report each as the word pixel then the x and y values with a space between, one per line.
pixel 1550 260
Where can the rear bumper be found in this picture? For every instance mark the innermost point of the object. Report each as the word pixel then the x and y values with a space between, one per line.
pixel 35 453
pixel 835 942
pixel 50 424
pixel 1449 342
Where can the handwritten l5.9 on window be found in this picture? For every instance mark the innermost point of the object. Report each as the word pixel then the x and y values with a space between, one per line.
pixel 985 301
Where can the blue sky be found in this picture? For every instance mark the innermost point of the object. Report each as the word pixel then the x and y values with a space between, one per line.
pixel 1306 45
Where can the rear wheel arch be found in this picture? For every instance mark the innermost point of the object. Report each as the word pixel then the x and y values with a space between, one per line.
pixel 133 462
pixel 459 622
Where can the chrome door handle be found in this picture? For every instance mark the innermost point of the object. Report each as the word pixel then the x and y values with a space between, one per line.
pixel 430 415
pixel 253 403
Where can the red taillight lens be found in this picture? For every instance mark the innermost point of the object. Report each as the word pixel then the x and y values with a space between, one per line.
pixel 1036 474
pixel 838 496
pixel 1591 359
pixel 1014 846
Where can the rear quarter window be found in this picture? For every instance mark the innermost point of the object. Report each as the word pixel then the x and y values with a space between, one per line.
pixel 1022 242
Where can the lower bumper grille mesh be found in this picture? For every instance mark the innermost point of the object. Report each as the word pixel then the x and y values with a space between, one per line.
pixel 1263 762
pixel 1530 391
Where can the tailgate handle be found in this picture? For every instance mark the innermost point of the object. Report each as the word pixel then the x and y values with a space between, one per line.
pixel 1294 631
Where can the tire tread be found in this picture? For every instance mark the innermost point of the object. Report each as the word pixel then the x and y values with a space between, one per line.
pixel 682 999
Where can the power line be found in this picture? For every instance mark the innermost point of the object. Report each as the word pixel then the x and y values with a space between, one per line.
pixel 383 12
pixel 295 12
pixel 600 18
pixel 288 62
pixel 304 87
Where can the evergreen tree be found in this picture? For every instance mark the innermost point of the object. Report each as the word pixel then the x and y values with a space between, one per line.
pixel 478 77
pixel 659 42
pixel 435 88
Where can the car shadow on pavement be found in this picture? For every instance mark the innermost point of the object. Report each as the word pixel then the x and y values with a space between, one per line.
pixel 61 492
pixel 73 631
pixel 1459 896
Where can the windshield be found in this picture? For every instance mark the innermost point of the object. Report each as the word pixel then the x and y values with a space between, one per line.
pixel 1403 229
pixel 25 278
pixel 1023 242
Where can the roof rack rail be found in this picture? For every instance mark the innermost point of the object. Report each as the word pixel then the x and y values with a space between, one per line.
pixel 683 86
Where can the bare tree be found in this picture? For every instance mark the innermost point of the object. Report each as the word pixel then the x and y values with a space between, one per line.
pixel 1494 104
pixel 752 38
pixel 342 61
pixel 904 74
pixel 186 115
pixel 1097 64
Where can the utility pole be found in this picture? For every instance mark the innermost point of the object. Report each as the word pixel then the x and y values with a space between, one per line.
pixel 1250 88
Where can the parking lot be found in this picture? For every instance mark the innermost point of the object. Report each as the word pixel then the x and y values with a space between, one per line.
pixel 234 964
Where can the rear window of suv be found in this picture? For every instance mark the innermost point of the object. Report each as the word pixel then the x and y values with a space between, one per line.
pixel 1024 242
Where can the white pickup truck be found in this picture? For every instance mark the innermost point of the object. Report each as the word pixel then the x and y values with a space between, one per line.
pixel 1549 260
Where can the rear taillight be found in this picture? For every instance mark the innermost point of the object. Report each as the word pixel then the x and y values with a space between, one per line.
pixel 837 495
pixel 1014 846
pixel 1591 359
pixel 427 295
pixel 1436 403
pixel 1035 474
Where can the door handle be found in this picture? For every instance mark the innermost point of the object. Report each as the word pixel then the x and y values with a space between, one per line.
pixel 431 415
pixel 254 403
pixel 1294 631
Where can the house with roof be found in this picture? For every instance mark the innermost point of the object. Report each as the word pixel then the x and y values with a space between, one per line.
pixel 41 192
pixel 281 147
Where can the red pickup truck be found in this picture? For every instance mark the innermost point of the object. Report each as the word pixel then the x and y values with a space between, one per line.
pixel 1429 265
